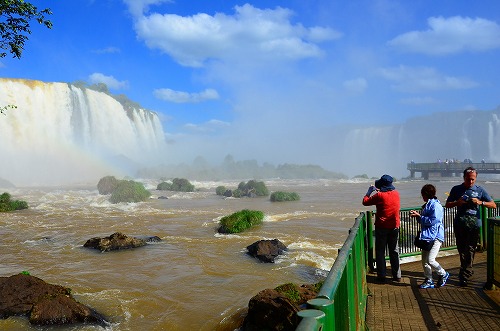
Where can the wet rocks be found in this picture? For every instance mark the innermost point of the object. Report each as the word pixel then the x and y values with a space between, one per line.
pixel 276 309
pixel 115 241
pixel 43 303
pixel 266 250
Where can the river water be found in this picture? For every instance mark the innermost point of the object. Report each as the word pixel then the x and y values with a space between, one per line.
pixel 194 279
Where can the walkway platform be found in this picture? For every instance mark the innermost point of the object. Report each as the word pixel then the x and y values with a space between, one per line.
pixel 403 306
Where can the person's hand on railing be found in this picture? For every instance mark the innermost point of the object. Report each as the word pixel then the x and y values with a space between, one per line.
pixel 414 213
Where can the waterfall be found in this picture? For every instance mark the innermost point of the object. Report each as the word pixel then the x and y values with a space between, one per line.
pixel 60 134
pixel 453 135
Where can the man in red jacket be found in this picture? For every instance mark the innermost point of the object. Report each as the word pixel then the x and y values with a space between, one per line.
pixel 387 220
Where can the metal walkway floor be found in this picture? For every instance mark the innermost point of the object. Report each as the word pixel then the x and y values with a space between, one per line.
pixel 403 306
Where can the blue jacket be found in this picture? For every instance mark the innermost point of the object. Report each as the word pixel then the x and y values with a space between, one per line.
pixel 431 221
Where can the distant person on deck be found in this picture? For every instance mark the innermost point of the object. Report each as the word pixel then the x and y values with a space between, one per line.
pixel 467 197
pixel 432 230
pixel 387 221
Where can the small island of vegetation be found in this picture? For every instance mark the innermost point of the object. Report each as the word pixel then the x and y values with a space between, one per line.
pixel 240 221
pixel 284 196
pixel 122 190
pixel 252 188
pixel 7 204
pixel 177 184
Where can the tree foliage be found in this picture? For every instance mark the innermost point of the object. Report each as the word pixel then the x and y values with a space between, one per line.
pixel 15 18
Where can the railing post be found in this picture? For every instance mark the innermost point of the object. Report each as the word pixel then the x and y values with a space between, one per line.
pixel 312 319
pixel 327 307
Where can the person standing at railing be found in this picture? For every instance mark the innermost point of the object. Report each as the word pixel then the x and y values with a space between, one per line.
pixel 387 221
pixel 467 197
pixel 432 230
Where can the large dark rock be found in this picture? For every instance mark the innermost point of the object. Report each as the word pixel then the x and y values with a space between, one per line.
pixel 114 242
pixel 43 303
pixel 272 309
pixel 266 250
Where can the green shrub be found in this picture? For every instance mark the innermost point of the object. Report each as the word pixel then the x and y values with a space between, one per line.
pixel 7 204
pixel 107 185
pixel 164 186
pixel 129 191
pixel 240 221
pixel 284 196
pixel 220 190
pixel 253 187
pixel 178 184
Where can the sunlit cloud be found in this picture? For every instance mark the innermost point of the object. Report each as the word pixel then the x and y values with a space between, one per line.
pixel 185 97
pixel 450 35
pixel 417 79
pixel 251 33
pixel 110 81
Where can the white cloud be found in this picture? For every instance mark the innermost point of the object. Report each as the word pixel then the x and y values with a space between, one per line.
pixel 251 33
pixel 451 35
pixel 358 85
pixel 110 81
pixel 185 97
pixel 417 79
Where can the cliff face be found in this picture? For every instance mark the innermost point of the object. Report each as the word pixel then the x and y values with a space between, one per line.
pixel 60 133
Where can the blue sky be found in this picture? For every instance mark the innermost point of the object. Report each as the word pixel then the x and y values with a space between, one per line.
pixel 272 80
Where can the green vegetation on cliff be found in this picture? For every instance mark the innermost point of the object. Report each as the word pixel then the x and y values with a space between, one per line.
pixel 7 204
pixel 240 221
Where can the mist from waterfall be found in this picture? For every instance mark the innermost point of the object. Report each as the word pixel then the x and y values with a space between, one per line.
pixel 61 134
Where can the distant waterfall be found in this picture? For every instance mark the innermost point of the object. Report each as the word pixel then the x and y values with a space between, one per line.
pixel 60 133
pixel 454 135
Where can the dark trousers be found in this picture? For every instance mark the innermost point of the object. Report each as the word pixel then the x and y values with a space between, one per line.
pixel 466 240
pixel 387 238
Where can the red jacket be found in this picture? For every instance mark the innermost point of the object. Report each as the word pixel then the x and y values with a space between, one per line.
pixel 388 205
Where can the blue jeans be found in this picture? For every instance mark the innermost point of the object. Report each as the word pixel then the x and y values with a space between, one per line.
pixel 429 261
pixel 387 238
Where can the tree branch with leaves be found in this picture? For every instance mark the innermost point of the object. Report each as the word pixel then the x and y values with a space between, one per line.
pixel 15 18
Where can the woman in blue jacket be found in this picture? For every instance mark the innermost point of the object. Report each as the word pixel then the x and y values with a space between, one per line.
pixel 432 229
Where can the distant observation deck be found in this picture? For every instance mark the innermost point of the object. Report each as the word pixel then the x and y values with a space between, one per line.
pixel 450 169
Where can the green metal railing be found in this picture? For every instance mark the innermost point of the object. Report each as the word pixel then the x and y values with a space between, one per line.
pixel 341 301
pixel 493 260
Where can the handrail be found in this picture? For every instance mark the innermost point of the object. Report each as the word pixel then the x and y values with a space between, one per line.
pixel 342 298
pixel 341 301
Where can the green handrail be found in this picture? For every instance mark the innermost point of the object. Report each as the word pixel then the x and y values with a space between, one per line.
pixel 342 298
